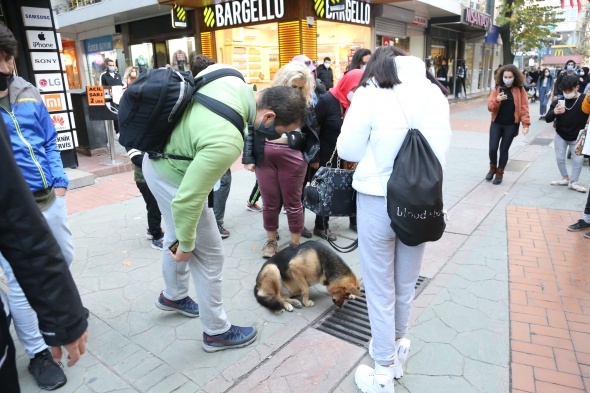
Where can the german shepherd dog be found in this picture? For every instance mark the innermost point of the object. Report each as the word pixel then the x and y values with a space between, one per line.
pixel 291 272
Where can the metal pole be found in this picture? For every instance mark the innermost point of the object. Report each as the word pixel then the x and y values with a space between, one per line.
pixel 109 126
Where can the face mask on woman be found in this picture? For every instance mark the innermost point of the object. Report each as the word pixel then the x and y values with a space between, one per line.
pixel 569 96
pixel 508 81
pixel 133 74
pixel 546 74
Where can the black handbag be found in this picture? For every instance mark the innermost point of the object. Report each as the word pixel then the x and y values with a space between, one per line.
pixel 330 193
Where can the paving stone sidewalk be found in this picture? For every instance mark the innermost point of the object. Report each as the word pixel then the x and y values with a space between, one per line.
pixel 460 324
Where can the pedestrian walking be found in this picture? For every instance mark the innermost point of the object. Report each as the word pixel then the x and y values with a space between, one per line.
pixel 441 73
pixel 330 113
pixel 584 79
pixel 545 90
pixel 182 187
pixel 281 166
pixel 359 60
pixel 393 96
pixel 33 139
pixel 325 73
pixel 130 76
pixel 570 67
pixel 509 106
pixel 570 115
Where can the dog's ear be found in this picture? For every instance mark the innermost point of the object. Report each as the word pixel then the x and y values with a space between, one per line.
pixel 354 291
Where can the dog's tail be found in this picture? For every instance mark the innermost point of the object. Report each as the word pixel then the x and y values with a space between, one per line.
pixel 268 301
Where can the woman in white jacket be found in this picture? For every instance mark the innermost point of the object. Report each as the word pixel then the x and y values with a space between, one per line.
pixel 394 95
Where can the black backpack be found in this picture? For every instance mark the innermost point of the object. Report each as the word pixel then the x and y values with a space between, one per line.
pixel 414 192
pixel 151 107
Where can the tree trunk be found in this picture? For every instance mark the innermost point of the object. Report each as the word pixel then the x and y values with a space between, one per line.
pixel 506 47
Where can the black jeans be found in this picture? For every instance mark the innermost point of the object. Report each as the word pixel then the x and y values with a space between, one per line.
pixel 220 197
pixel 504 133
pixel 460 83
pixel 153 211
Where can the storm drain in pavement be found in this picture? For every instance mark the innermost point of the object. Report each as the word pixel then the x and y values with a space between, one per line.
pixel 542 141
pixel 351 322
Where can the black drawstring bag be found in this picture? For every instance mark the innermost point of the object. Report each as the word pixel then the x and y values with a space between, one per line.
pixel 414 192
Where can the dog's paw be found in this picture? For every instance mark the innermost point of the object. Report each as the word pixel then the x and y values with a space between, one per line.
pixel 288 307
pixel 308 303
pixel 351 297
pixel 296 303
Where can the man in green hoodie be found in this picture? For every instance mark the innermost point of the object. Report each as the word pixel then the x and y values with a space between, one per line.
pixel 182 187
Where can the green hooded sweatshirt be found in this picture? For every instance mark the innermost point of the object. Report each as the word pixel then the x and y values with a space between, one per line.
pixel 213 142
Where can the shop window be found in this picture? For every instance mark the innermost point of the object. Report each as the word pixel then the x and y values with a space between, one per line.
pixel 180 51
pixel 70 60
pixel 253 50
pixel 339 41
pixel 142 56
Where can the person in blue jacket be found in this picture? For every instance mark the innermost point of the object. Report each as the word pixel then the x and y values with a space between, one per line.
pixel 33 140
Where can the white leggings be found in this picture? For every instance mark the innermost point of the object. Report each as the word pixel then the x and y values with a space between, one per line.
pixel 389 270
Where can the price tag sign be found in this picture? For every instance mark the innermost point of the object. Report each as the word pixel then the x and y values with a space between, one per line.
pixel 95 95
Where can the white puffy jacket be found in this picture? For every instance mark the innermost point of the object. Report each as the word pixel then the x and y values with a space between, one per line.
pixel 376 124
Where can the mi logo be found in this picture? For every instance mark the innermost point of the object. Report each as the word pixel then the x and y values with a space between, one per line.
pixel 209 15
pixel 54 102
pixel 178 17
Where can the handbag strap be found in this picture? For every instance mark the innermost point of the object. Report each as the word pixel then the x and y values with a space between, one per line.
pixel 341 249
pixel 329 163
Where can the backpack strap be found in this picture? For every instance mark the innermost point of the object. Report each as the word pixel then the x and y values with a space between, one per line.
pixel 216 106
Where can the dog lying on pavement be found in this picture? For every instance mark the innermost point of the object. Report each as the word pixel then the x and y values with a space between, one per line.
pixel 291 272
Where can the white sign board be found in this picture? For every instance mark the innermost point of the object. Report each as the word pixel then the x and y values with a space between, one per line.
pixel 61 121
pixel 45 61
pixel 40 39
pixel 64 141
pixel 55 102
pixel 49 82
pixel 36 17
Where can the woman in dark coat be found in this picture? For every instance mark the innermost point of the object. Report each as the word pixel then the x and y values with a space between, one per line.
pixel 330 112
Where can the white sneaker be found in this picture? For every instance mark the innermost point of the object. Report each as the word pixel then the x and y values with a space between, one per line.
pixel 576 187
pixel 560 182
pixel 378 380
pixel 402 347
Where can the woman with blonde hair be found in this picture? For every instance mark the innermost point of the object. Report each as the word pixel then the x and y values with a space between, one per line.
pixel 280 162
pixel 130 76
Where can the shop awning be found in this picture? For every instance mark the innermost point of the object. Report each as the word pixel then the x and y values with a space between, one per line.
pixel 561 60
pixel 205 3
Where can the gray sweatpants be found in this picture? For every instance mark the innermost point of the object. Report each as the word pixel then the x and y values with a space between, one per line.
pixel 560 153
pixel 389 270
pixel 206 264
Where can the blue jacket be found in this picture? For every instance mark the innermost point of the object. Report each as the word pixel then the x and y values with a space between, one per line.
pixel 33 137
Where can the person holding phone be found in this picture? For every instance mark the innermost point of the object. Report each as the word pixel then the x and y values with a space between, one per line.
pixel 570 117
pixel 509 106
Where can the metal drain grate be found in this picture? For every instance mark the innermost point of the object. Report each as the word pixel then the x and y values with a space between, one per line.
pixel 542 141
pixel 351 322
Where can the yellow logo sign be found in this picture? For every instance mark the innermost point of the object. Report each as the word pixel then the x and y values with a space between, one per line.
pixel 180 13
pixel 559 52
pixel 320 7
pixel 209 15
pixel 178 17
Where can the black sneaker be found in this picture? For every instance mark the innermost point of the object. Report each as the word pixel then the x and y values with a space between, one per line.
pixel 587 235
pixel 223 232
pixel 47 373
pixel 578 226
pixel 306 233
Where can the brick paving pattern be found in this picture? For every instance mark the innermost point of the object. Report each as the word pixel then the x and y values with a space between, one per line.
pixel 549 301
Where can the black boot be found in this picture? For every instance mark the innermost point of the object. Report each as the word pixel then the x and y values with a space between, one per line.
pixel 491 173
pixel 499 176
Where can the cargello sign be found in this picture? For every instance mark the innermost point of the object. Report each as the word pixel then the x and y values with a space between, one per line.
pixel 355 12
pixel 476 18
pixel 242 12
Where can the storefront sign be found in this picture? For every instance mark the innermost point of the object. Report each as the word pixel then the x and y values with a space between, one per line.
pixel 45 61
pixel 476 18
pixel 243 12
pixel 337 5
pixel 61 121
pixel 178 17
pixel 37 17
pixel 54 102
pixel 64 141
pixel 356 12
pixel 100 44
pixel 420 21
pixel 41 39
pixel 95 95
pixel 49 82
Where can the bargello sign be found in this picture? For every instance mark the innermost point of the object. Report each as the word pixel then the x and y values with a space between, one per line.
pixel 476 18
pixel 243 11
pixel 353 11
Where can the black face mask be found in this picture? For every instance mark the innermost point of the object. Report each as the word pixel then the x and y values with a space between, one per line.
pixel 269 132
pixel 5 81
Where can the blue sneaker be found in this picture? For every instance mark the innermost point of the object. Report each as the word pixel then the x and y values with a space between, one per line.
pixel 158 244
pixel 235 337
pixel 186 306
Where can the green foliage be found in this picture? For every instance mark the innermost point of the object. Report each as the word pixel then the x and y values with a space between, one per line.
pixel 526 25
